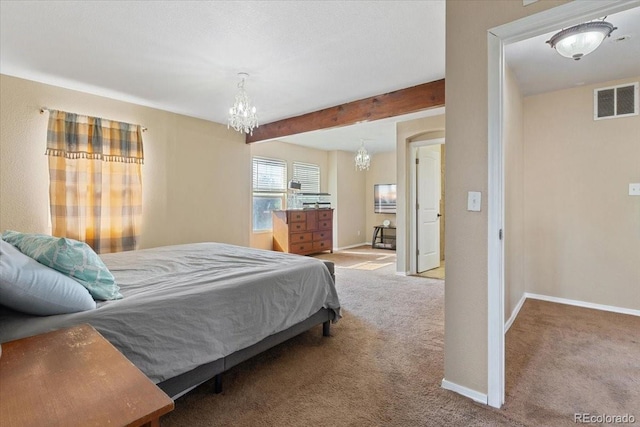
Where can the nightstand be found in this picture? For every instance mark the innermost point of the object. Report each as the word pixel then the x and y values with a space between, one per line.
pixel 75 377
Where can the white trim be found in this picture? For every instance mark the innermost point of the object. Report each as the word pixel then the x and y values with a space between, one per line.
pixel 403 273
pixel 466 392
pixel 553 19
pixel 352 246
pixel 584 304
pixel 495 213
pixel 515 313
pixel 521 29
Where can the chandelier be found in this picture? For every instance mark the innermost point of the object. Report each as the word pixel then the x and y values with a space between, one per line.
pixel 363 160
pixel 580 40
pixel 242 116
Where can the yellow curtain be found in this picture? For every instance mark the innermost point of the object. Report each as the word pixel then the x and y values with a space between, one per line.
pixel 95 179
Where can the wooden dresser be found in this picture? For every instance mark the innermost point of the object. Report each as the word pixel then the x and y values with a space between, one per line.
pixel 303 232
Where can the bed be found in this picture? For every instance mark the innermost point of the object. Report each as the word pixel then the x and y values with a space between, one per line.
pixel 191 312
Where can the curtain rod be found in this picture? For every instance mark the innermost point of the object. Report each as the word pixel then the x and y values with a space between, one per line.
pixel 43 109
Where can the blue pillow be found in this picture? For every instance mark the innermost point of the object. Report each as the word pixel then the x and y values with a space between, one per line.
pixel 70 257
pixel 30 287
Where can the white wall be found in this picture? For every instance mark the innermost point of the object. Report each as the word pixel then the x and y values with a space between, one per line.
pixel 348 187
pixel 382 171
pixel 582 229
pixel 514 285
pixel 196 175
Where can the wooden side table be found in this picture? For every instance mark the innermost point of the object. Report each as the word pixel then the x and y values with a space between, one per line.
pixel 75 377
pixel 381 241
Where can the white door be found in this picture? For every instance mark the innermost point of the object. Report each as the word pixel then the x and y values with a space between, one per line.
pixel 428 207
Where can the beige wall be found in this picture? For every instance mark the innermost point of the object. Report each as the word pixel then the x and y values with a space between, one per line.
pixel 289 153
pixel 582 228
pixel 196 176
pixel 467 23
pixel 406 131
pixel 349 190
pixel 382 171
pixel 514 285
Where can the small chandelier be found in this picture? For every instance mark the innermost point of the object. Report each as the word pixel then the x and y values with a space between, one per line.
pixel 363 160
pixel 242 116
pixel 580 40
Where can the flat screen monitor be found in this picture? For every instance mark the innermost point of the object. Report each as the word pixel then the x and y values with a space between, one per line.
pixel 384 198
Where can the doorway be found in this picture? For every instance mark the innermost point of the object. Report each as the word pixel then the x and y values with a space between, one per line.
pixel 498 37
pixel 426 216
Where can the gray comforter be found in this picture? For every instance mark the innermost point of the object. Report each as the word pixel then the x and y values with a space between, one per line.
pixel 187 305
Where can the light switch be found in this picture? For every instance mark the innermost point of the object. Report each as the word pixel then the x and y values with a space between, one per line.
pixel 474 201
pixel 634 189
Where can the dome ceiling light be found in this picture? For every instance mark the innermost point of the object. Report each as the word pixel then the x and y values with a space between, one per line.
pixel 582 39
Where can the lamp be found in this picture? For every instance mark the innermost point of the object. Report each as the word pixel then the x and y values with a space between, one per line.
pixel 363 160
pixel 580 40
pixel 242 116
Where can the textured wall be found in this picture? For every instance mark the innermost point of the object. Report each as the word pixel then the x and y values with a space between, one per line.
pixel 582 228
pixel 467 170
pixel 196 176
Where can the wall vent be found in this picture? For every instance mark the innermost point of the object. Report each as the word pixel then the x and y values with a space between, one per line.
pixel 615 101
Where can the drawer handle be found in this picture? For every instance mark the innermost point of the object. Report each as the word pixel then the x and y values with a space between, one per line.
pixel 322 244
pixel 301 237
pixel 301 248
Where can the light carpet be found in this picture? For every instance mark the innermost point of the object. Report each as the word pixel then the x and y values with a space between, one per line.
pixel 383 366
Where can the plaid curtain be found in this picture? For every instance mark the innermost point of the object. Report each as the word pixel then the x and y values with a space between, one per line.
pixel 95 180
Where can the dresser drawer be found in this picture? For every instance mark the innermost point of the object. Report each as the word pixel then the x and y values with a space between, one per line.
pixel 322 245
pixel 325 224
pixel 297 216
pixel 322 235
pixel 325 214
pixel 296 238
pixel 300 248
pixel 297 226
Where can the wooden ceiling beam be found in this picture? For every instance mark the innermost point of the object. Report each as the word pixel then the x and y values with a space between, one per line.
pixel 403 101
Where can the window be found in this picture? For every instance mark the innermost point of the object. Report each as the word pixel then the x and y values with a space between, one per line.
pixel 269 189
pixel 308 175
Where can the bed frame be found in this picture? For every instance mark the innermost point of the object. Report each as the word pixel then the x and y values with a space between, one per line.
pixel 183 383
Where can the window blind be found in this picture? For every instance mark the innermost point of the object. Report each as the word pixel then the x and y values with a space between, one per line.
pixel 269 175
pixel 308 175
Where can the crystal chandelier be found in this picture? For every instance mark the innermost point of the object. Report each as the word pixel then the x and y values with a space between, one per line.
pixel 581 40
pixel 242 116
pixel 363 161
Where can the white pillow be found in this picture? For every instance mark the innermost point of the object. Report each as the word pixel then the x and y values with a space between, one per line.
pixel 30 287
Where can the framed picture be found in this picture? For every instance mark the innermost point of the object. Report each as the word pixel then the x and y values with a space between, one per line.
pixel 384 198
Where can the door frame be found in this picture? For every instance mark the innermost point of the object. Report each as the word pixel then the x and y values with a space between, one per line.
pixel 544 22
pixel 413 217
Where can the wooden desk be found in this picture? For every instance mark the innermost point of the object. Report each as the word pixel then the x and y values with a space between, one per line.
pixel 75 377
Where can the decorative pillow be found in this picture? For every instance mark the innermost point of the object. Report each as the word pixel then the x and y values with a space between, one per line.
pixel 30 287
pixel 70 257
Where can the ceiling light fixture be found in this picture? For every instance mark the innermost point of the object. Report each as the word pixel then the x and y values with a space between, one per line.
pixel 242 116
pixel 580 40
pixel 363 160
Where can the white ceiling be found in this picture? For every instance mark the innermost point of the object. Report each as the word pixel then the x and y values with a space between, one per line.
pixel 539 68
pixel 302 56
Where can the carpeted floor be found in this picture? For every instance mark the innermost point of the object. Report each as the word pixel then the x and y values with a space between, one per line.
pixel 383 365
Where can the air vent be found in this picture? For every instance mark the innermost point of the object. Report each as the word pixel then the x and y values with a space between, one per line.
pixel 615 101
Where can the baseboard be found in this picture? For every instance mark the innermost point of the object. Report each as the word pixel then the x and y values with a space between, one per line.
pixel 584 304
pixel 466 392
pixel 514 313
pixel 351 246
